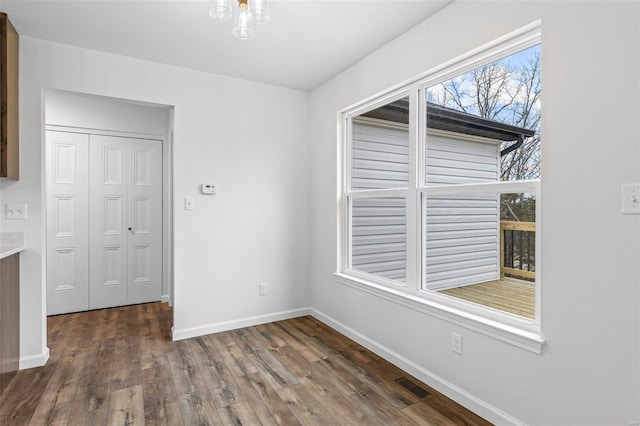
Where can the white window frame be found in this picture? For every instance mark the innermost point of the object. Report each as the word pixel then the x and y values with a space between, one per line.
pixel 513 329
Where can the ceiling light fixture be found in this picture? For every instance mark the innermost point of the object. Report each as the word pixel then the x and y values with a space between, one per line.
pixel 247 13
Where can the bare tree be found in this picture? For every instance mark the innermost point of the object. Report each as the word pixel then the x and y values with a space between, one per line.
pixel 500 92
pixel 524 163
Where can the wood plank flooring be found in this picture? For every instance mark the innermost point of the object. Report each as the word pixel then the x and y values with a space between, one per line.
pixel 508 295
pixel 119 367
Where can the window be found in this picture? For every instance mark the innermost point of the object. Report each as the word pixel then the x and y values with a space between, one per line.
pixel 441 183
pixel 379 178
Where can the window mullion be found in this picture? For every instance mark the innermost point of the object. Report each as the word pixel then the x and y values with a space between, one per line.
pixel 344 216
pixel 413 230
pixel 421 184
pixel 538 251
pixel 377 193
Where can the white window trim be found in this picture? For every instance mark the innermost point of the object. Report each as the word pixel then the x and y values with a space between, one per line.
pixel 464 316
pixel 512 329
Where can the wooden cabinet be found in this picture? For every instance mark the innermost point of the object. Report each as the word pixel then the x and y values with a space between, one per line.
pixel 9 163
pixel 9 319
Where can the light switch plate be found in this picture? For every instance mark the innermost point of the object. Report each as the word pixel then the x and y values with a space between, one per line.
pixel 16 211
pixel 631 198
pixel 188 203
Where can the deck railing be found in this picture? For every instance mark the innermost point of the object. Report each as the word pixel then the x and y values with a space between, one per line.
pixel 518 249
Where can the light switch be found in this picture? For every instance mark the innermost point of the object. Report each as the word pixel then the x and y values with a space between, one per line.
pixel 16 211
pixel 188 203
pixel 631 198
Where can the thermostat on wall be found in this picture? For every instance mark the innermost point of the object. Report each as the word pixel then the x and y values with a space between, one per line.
pixel 208 189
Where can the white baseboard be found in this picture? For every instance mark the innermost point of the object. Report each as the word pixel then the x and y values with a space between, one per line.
pixel 462 397
pixel 32 361
pixel 186 333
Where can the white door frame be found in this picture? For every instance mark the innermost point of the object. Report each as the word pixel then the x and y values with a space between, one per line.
pixel 167 198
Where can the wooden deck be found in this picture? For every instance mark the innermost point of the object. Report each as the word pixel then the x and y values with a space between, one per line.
pixel 508 295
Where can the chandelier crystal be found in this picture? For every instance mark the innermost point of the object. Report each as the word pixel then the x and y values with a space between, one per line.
pixel 242 25
pixel 246 13
pixel 221 10
pixel 258 11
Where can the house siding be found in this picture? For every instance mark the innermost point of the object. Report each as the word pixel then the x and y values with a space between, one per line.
pixel 380 160
pixel 462 231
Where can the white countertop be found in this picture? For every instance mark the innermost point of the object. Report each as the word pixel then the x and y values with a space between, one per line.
pixel 11 243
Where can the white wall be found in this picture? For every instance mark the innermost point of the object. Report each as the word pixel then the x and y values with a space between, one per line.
pixel 589 370
pixel 247 138
pixel 99 112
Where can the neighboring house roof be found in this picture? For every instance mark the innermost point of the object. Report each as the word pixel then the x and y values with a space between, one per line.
pixel 443 118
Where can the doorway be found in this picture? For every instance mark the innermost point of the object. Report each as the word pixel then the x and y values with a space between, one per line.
pixel 107 203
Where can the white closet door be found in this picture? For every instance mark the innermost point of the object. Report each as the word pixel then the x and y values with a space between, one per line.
pixel 67 222
pixel 145 221
pixel 125 221
pixel 108 222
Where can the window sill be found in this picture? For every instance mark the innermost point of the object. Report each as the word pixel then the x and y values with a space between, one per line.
pixel 511 334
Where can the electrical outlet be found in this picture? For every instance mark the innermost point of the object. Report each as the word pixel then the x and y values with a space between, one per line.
pixel 262 289
pixel 456 343
pixel 16 211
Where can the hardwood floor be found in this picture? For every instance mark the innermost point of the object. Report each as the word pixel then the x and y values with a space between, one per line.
pixel 119 367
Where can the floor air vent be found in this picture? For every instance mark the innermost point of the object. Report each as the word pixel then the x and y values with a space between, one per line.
pixel 412 387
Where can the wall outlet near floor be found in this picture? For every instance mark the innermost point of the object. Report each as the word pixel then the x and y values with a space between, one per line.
pixel 262 289
pixel 456 343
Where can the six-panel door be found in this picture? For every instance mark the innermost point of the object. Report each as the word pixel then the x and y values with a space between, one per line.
pixel 125 221
pixel 116 218
pixel 67 222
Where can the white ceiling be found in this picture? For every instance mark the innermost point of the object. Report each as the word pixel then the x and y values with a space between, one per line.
pixel 306 43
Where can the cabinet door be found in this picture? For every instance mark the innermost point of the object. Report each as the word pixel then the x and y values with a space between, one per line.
pixel 9 133
pixel 9 319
